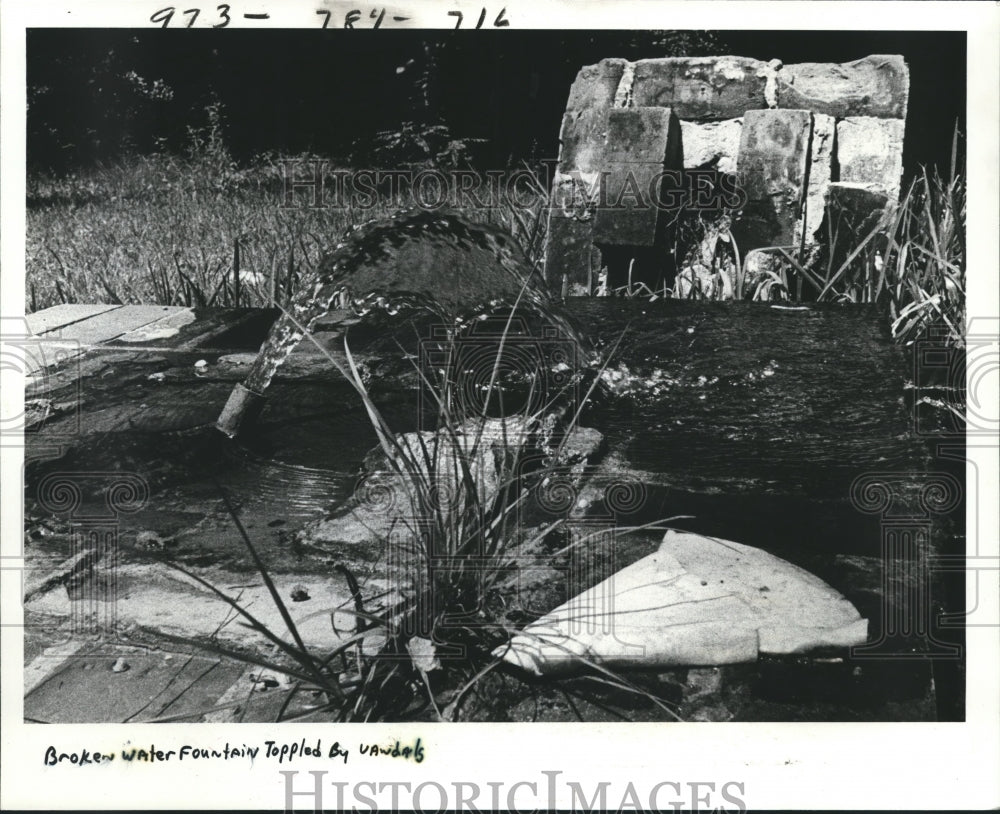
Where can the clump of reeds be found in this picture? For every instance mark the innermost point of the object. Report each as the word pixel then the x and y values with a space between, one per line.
pixel 422 651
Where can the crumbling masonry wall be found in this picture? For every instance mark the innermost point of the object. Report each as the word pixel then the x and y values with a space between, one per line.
pixel 800 138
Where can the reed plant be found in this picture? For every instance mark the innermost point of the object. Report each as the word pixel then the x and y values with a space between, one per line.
pixel 422 649
pixel 908 259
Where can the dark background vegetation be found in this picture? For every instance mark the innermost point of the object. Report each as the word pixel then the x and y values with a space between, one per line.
pixel 93 94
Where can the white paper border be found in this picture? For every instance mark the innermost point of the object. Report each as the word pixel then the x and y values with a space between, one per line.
pixel 814 766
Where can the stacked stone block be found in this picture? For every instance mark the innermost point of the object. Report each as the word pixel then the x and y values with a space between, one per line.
pixel 641 143
pixel 797 136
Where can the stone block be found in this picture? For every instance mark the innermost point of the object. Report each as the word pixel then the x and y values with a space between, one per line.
pixel 701 88
pixel 876 85
pixel 641 144
pixel 821 156
pixel 630 212
pixel 574 193
pixel 711 145
pixel 582 140
pixel 856 199
pixel 772 166
pixel 595 85
pixel 870 152
pixel 643 135
pixel 571 259
pixel 853 211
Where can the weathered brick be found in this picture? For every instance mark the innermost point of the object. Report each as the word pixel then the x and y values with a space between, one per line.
pixel 774 151
pixel 701 88
pixel 873 86
pixel 595 85
pixel 870 151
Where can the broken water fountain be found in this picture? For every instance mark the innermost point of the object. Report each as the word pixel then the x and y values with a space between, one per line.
pixel 695 461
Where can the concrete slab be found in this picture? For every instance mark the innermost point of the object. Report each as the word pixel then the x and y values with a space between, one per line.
pixel 60 316
pixel 114 323
pixel 163 328
pixel 157 598
pixel 120 684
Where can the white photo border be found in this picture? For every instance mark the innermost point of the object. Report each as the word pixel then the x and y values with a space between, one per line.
pixel 812 766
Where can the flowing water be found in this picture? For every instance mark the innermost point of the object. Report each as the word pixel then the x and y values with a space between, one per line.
pixel 754 420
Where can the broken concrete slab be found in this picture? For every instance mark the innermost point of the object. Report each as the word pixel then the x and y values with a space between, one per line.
pixel 698 601
pixel 87 688
pixel 876 85
pixel 59 316
pixel 870 152
pixel 385 512
pixel 711 145
pixel 114 322
pixel 772 165
pixel 701 88
pixel 166 601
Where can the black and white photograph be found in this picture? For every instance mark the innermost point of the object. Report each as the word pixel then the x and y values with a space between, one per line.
pixel 410 366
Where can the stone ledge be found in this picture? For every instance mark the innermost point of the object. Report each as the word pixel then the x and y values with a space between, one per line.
pixel 876 85
pixel 701 88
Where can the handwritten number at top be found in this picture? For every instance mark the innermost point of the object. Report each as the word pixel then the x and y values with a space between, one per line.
pixel 499 22
pixel 165 15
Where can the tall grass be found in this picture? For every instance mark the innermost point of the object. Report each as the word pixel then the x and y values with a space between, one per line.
pixel 923 271
pixel 165 229
pixel 199 229
pixel 911 262
pixel 908 259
